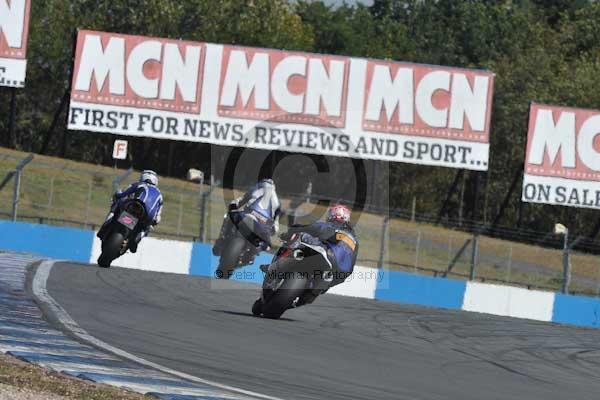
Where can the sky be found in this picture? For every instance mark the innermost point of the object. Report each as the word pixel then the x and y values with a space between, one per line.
pixel 365 2
pixel 340 2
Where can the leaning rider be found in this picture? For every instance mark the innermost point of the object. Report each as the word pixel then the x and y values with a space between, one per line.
pixel 341 243
pixel 261 198
pixel 153 200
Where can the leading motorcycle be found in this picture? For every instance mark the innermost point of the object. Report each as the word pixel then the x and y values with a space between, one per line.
pixel 300 265
pixel 129 219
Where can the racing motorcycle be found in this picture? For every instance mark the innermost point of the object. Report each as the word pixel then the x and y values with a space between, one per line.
pixel 300 265
pixel 244 234
pixel 129 219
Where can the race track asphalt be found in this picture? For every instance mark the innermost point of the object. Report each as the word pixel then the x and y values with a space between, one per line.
pixel 337 348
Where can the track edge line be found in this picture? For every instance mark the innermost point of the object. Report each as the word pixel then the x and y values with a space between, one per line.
pixel 41 295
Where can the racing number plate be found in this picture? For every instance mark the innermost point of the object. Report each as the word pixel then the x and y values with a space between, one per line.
pixel 128 220
pixel 342 237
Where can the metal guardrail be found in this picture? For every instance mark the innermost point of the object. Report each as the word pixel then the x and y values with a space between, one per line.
pixel 16 174
pixel 119 179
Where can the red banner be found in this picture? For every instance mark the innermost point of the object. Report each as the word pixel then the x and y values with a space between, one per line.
pixel 274 99
pixel 562 164
pixel 430 101
pixel 264 84
pixel 137 71
pixel 14 32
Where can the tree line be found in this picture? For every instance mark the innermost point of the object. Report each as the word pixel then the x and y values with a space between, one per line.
pixel 543 51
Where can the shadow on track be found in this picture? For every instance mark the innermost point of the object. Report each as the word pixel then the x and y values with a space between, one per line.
pixel 243 314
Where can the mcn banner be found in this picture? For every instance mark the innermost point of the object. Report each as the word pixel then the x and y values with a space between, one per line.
pixel 14 28
pixel 562 164
pixel 272 99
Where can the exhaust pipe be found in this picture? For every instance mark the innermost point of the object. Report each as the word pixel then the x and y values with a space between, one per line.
pixel 298 255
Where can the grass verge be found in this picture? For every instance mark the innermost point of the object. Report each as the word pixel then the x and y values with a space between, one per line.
pixel 33 381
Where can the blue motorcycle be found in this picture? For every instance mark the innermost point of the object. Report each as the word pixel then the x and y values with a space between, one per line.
pixel 130 218
pixel 244 234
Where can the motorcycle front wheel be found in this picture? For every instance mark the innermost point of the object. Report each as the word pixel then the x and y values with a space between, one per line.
pixel 230 257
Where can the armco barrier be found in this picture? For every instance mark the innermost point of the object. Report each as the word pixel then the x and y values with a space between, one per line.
pixel 197 259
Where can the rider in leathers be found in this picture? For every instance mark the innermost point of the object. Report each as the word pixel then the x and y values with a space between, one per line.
pixel 261 198
pixel 341 243
pixel 149 181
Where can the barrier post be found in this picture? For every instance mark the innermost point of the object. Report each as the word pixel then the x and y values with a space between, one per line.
pixel 417 251
pixel 509 264
pixel 457 256
pixel 17 187
pixel 566 264
pixel 474 256
pixel 567 260
pixel 16 195
pixel 384 240
pixel 203 211
pixel 51 192
pixel 477 230
pixel 180 219
pixel 117 181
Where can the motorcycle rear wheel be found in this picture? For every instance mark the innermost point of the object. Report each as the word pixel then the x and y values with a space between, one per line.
pixel 111 249
pixel 282 299
pixel 257 308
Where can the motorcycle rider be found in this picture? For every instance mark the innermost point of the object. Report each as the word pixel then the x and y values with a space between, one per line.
pixel 341 243
pixel 148 181
pixel 261 198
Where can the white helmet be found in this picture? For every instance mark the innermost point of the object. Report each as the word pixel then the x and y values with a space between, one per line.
pixel 266 182
pixel 149 176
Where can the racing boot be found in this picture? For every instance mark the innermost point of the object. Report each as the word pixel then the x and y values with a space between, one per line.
pixel 308 297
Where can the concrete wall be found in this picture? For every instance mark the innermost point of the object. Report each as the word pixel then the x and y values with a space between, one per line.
pixel 400 287
pixel 152 255
pixel 50 241
pixel 508 301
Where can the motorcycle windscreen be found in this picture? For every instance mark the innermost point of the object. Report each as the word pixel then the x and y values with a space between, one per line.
pixel 128 220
